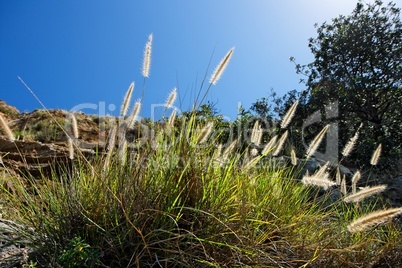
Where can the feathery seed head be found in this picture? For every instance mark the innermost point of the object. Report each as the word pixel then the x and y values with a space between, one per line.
pixel 126 101
pixel 256 134
pixel 366 192
pixel 205 131
pixel 228 151
pixel 373 218
pixel 289 115
pixel 376 155
pixel 280 143
pixel 356 177
pixel 172 118
pixel 254 152
pixel 110 146
pixel 343 185
pixel 351 143
pixel 171 99
pixel 338 176
pixel 70 148
pixel 293 157
pixel 122 152
pixel 316 142
pixel 251 163
pixel 147 57
pixel 270 145
pixel 134 114
pixel 322 172
pixel 325 183
pixel 221 67
pixel 6 129
pixel 74 125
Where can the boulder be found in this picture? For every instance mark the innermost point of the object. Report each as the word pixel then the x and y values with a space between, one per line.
pixel 394 192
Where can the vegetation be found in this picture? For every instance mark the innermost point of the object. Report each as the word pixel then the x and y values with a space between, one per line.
pixel 178 200
pixel 184 192
pixel 358 66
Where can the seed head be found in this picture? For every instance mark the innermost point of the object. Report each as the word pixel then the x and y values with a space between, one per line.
pixel 221 67
pixel 205 131
pixel 376 155
pixel 256 134
pixel 316 142
pixel 6 129
pixel 289 115
pixel 351 143
pixel 270 145
pixel 356 177
pixel 134 114
pixel 280 143
pixel 126 101
pixel 74 125
pixel 171 99
pixel 374 218
pixel 147 57
pixel 70 148
pixel 293 157
pixel 366 192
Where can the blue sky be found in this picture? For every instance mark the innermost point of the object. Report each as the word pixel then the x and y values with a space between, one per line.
pixel 79 53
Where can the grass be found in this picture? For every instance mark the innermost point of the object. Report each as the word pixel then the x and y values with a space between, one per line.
pixel 172 204
pixel 178 198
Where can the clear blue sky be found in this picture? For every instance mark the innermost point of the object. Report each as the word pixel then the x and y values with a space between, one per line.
pixel 79 51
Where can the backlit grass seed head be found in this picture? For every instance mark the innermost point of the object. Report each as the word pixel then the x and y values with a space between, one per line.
pixel 126 101
pixel 221 67
pixel 338 176
pixel 356 177
pixel 6 129
pixel 253 152
pixel 135 113
pixel 376 155
pixel 374 218
pixel 280 144
pixel 147 57
pixel 351 143
pixel 171 99
pixel 256 134
pixel 110 146
pixel 70 148
pixel 316 142
pixel 122 152
pixel 228 151
pixel 366 192
pixel 289 115
pixel 74 125
pixel 320 182
pixel 172 118
pixel 251 163
pixel 322 172
pixel 343 185
pixel 293 157
pixel 205 132
pixel 270 145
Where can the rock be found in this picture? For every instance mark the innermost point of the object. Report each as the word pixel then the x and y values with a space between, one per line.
pixel 7 111
pixel 394 192
pixel 35 158
pixel 32 158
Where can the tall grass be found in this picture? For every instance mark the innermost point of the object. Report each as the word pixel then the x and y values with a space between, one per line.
pixel 180 198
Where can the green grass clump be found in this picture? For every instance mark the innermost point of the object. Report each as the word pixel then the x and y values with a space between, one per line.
pixel 173 196
pixel 172 203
